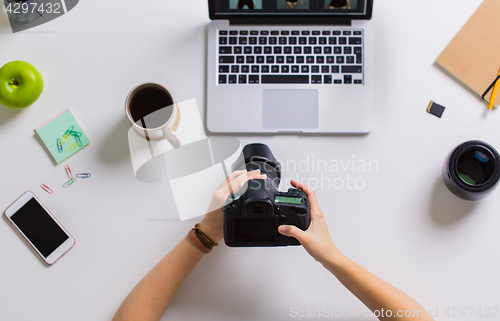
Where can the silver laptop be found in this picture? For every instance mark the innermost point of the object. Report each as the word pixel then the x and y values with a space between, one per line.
pixel 289 66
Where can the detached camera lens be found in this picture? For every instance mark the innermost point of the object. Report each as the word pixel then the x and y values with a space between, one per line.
pixel 472 170
pixel 475 167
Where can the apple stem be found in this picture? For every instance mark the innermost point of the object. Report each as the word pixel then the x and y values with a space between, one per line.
pixel 14 82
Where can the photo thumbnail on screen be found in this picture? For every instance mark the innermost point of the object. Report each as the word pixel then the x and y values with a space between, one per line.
pixel 246 4
pixel 340 4
pixel 292 4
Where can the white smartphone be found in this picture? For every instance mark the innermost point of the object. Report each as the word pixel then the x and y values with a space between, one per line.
pixel 34 221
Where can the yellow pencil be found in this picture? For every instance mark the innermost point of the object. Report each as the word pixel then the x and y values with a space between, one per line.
pixel 494 93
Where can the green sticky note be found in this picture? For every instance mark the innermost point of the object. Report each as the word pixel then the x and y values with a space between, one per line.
pixel 63 136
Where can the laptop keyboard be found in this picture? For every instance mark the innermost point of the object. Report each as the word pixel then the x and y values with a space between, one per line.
pixel 290 56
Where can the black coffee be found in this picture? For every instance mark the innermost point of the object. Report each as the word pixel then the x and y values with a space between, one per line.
pixel 151 99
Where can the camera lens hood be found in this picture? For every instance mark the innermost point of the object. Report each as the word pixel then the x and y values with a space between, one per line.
pixel 259 156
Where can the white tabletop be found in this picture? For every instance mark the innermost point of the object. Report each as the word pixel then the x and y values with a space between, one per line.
pixel 403 225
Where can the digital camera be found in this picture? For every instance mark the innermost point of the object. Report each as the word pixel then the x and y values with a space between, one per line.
pixel 252 217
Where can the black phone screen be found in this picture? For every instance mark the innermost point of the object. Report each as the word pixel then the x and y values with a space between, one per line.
pixel 39 227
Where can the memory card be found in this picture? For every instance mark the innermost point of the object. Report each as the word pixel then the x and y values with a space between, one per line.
pixel 435 109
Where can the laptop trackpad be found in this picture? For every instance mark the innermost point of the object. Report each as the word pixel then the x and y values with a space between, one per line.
pixel 294 109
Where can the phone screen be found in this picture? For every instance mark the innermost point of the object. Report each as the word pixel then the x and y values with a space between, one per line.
pixel 39 227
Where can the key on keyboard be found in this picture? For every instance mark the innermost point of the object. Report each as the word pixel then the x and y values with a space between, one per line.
pixel 328 57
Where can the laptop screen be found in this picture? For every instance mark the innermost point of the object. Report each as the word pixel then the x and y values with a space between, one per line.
pixel 290 7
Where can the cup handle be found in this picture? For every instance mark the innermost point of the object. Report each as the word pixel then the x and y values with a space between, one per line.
pixel 171 137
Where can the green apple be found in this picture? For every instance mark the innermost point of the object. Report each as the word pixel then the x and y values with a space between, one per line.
pixel 20 84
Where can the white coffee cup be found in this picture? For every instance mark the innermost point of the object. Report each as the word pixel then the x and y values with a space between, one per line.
pixel 154 121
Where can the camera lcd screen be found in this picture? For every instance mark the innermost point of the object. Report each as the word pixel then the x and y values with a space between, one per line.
pixel 261 230
pixel 42 231
pixel 288 199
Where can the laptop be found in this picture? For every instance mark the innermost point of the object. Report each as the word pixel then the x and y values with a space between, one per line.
pixel 289 66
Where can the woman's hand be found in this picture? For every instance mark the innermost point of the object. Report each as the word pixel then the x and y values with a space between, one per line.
pixel 316 239
pixel 213 220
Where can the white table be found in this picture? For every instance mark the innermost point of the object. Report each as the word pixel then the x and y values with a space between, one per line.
pixel 404 225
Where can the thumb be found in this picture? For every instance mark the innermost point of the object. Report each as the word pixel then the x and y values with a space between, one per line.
pixel 294 231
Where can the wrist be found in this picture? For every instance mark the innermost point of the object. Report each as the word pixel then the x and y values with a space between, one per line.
pixel 331 257
pixel 211 231
pixel 333 260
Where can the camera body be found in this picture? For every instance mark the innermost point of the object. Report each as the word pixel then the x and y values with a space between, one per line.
pixel 252 218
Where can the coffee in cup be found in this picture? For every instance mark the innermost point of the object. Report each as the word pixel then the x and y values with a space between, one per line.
pixel 153 112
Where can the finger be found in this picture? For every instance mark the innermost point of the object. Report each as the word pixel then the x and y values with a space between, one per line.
pixel 243 178
pixel 239 181
pixel 245 173
pixel 311 195
pixel 301 186
pixel 235 174
pixel 293 231
pixel 254 175
pixel 255 171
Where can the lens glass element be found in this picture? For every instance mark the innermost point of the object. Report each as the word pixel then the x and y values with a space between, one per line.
pixel 475 167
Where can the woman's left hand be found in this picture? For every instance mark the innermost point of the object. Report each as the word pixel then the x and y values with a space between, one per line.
pixel 213 220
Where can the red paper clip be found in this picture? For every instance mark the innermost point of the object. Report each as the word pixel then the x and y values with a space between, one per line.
pixel 68 172
pixel 46 188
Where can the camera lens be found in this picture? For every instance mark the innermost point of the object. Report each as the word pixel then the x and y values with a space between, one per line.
pixel 475 167
pixel 259 156
pixel 471 171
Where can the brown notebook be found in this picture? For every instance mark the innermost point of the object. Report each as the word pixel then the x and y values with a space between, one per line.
pixel 473 56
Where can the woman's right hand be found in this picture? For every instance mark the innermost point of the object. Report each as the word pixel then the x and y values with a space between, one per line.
pixel 316 239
